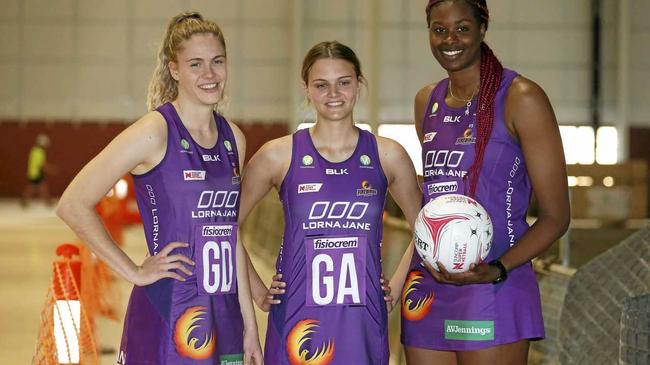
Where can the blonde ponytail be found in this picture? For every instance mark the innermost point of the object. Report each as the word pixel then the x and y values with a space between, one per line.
pixel 162 87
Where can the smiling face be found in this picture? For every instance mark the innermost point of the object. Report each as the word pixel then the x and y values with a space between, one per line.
pixel 455 35
pixel 200 69
pixel 332 87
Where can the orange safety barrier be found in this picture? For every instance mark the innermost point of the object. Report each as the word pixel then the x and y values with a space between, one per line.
pixel 66 333
pixel 119 208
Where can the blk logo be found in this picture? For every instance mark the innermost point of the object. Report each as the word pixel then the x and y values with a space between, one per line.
pixel 211 158
pixel 336 171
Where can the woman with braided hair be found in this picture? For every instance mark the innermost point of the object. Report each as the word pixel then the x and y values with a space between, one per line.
pixel 489 133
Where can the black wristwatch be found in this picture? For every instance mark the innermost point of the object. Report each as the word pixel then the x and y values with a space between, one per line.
pixel 503 273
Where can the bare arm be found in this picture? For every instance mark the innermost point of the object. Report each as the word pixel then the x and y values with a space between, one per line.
pixel 397 280
pixel 403 187
pixel 530 119
pixel 530 116
pixel 136 149
pixel 265 170
pixel 420 104
pixel 252 349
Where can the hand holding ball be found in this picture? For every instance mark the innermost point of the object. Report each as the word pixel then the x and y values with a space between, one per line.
pixel 454 230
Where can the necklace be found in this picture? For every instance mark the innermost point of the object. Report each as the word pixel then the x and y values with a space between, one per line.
pixel 468 101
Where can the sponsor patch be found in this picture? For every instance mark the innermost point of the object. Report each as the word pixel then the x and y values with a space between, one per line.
pixel 469 330
pixel 191 175
pixel 216 231
pixel 186 146
pixel 442 187
pixel 434 109
pixel 307 160
pixel 429 137
pixel 228 145
pixel 309 188
pixel 231 359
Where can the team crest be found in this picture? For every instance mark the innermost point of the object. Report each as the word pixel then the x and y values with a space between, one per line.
pixel 235 176
pixel 467 138
pixel 366 189
pixel 303 348
pixel 413 310
pixel 228 145
pixel 194 337
pixel 365 160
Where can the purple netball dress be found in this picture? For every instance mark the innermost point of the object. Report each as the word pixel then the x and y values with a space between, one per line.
pixel 333 311
pixel 191 196
pixel 454 318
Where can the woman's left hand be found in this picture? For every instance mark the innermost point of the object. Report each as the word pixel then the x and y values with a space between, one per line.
pixel 252 349
pixel 477 274
pixel 385 287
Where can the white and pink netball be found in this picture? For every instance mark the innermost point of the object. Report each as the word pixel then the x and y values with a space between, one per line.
pixel 454 230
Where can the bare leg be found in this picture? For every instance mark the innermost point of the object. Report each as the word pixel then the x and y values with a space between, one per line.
pixel 515 353
pixel 420 356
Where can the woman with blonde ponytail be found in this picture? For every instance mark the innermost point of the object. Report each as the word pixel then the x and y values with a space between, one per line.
pixel 502 133
pixel 191 301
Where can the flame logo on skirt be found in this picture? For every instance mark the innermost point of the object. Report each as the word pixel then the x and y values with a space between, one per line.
pixel 421 308
pixel 184 335
pixel 298 336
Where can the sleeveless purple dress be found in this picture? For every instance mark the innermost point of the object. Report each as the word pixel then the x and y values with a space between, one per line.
pixel 333 311
pixel 191 196
pixel 454 318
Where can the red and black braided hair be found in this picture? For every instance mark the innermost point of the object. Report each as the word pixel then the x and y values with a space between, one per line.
pixel 490 79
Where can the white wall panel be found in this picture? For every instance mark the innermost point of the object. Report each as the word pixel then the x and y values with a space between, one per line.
pixel 48 90
pixel 75 44
pixel 217 10
pixel 60 10
pixel 47 42
pixel 103 42
pixel 10 9
pixel 266 43
pixel 9 40
pixel 157 10
pixel 103 10
pixel 10 90
pixel 277 10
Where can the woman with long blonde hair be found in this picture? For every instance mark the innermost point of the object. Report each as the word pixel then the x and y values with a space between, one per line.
pixel 191 300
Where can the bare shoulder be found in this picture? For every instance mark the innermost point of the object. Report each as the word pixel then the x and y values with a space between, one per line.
pixel 527 107
pixel 388 146
pixel 152 125
pixel 422 96
pixel 525 91
pixel 275 151
pixel 235 130
pixel 391 152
